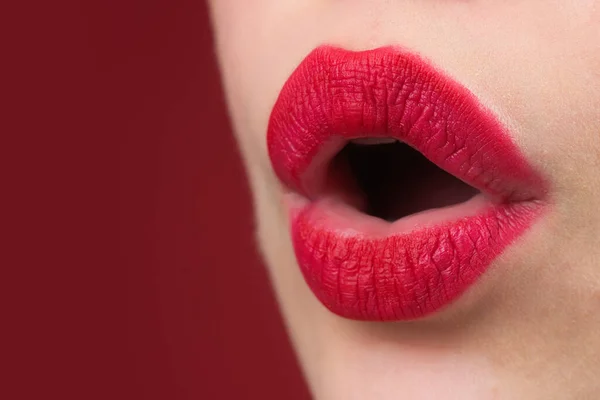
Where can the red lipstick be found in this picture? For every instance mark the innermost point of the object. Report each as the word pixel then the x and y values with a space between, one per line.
pixel 378 234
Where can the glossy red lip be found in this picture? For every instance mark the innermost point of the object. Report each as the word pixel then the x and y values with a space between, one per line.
pixel 360 266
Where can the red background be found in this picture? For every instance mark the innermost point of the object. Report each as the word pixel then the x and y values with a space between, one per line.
pixel 129 269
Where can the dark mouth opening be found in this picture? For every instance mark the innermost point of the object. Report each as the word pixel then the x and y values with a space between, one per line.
pixel 391 181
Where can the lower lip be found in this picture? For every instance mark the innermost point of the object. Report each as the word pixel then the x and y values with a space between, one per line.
pixel 364 268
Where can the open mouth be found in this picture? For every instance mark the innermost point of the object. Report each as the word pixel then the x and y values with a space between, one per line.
pixel 390 180
pixel 403 188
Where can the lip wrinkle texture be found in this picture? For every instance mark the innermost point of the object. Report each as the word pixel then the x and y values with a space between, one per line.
pixel 337 95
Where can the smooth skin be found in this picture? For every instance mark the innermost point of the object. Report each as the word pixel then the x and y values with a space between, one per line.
pixel 530 329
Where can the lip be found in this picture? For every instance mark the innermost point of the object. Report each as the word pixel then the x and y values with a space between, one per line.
pixel 363 268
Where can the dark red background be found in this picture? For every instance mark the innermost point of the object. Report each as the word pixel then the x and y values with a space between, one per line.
pixel 129 269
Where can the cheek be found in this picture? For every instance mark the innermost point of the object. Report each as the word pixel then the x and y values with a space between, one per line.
pixel 236 27
pixel 255 55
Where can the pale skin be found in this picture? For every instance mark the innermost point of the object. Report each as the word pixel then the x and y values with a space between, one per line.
pixel 530 329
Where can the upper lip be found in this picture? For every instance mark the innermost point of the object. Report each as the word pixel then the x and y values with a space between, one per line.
pixel 397 96
pixel 397 272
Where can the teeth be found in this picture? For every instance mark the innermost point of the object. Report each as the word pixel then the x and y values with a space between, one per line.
pixel 372 141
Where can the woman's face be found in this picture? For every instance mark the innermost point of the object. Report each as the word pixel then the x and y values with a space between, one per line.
pixel 396 279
